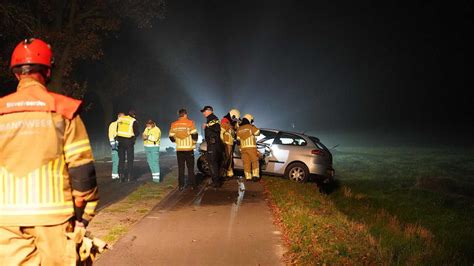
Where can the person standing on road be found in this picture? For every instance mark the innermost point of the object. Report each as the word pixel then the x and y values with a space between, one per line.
pixel 246 135
pixel 183 132
pixel 114 146
pixel 212 131
pixel 151 143
pixel 127 131
pixel 47 176
pixel 228 127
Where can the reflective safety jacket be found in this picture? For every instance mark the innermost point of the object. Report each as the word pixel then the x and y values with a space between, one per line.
pixel 183 132
pixel 227 132
pixel 246 134
pixel 125 126
pixel 152 137
pixel 112 131
pixel 46 160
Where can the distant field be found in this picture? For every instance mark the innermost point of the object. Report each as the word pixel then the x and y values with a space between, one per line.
pixel 416 204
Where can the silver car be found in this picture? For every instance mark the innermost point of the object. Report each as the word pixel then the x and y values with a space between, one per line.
pixel 295 156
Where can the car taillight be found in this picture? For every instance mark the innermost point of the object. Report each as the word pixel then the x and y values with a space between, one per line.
pixel 318 152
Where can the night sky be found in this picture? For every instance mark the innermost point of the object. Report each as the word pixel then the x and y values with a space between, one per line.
pixel 392 71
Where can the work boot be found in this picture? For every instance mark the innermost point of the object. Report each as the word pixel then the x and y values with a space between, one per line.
pixel 255 179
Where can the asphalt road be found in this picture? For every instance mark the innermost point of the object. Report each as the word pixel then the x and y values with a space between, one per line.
pixel 225 226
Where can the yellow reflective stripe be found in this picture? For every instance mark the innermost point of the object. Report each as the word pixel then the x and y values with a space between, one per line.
pixel 75 144
pixel 61 181
pixel 43 184
pixel 51 205
pixel 213 122
pixel 37 187
pixel 36 210
pixel 57 189
pixel 31 188
pixel 49 182
pixel 74 152
pixel 90 207
pixel 2 186
pixel 193 131
pixel 12 188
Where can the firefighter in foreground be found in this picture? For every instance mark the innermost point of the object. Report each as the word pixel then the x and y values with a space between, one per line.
pixel 151 142
pixel 47 175
pixel 212 131
pixel 183 132
pixel 246 135
pixel 114 146
pixel 228 127
pixel 127 132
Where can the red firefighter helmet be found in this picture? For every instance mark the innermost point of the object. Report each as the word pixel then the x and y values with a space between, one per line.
pixel 32 52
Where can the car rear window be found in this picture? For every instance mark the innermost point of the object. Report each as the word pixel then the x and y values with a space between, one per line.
pixel 318 143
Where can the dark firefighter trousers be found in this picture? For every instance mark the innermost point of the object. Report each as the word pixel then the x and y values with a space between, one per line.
pixel 186 158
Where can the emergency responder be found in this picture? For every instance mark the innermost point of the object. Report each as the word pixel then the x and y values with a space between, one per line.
pixel 246 135
pixel 212 132
pixel 114 146
pixel 127 131
pixel 228 127
pixel 183 132
pixel 47 176
pixel 151 142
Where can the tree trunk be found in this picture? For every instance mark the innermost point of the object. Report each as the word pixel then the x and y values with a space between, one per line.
pixel 108 107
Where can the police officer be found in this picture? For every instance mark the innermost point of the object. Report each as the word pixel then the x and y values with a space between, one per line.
pixel 47 175
pixel 228 126
pixel 212 132
pixel 114 146
pixel 183 132
pixel 246 135
pixel 127 131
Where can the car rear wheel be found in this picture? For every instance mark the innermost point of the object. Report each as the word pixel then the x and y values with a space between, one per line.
pixel 297 172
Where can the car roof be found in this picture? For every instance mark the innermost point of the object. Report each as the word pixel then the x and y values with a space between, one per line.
pixel 290 132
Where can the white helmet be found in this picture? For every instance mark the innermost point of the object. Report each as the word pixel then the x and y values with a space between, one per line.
pixel 234 114
pixel 249 117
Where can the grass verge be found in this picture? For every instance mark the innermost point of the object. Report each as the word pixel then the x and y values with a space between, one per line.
pixel 114 221
pixel 315 230
pixel 394 206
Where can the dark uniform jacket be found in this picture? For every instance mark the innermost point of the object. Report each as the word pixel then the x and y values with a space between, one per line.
pixel 213 131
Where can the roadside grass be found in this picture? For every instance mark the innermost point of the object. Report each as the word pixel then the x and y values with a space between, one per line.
pixel 314 230
pixel 395 205
pixel 114 221
pixel 419 202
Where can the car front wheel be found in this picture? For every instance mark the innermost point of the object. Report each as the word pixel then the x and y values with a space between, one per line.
pixel 297 172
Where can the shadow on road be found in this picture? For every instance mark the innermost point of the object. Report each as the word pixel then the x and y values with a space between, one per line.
pixel 112 191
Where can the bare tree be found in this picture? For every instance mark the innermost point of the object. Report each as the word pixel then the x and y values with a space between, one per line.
pixel 75 28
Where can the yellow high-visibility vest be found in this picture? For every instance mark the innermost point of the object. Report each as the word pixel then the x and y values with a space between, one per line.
pixel 153 137
pixel 125 126
pixel 112 131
